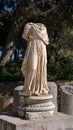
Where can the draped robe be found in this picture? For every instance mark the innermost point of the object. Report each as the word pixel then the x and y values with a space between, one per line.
pixel 34 66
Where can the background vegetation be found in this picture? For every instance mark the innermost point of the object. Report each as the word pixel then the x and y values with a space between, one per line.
pixel 57 15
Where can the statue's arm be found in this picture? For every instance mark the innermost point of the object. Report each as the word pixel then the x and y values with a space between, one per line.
pixel 25 31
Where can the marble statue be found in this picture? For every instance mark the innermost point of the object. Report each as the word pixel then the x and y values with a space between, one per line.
pixel 34 66
pixel 34 100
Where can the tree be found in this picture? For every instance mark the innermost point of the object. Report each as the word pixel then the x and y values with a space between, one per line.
pixel 56 15
pixel 16 21
pixel 12 37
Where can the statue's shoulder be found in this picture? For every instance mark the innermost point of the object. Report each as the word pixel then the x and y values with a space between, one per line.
pixel 27 26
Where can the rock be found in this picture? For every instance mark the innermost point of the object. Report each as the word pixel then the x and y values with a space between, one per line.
pixel 16 97
pixel 53 91
pixel 6 103
pixel 58 121
pixel 66 100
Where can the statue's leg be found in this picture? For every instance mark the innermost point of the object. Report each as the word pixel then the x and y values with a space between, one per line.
pixel 27 90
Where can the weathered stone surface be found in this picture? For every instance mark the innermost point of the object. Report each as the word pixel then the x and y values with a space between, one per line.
pixel 37 115
pixel 66 100
pixel 53 91
pixel 16 97
pixel 58 121
pixel 35 106
pixel 6 103
pixel 35 99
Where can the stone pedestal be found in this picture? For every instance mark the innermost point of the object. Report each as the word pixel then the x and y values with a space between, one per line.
pixel 58 121
pixel 16 97
pixel 66 100
pixel 33 107
pixel 52 90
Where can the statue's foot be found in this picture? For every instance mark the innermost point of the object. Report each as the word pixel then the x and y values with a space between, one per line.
pixel 24 93
pixel 36 94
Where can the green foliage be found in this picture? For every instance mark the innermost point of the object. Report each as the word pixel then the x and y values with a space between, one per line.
pixel 59 21
pixel 62 69
pixel 13 73
pixel 5 20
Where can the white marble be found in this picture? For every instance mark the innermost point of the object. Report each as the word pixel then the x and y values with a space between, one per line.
pixel 34 66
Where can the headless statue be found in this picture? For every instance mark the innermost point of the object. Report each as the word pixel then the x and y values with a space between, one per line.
pixel 34 66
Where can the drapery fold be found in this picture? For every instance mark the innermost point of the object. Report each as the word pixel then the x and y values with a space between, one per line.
pixel 34 66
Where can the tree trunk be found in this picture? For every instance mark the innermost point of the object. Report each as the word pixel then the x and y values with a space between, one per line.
pixel 16 56
pixel 12 37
